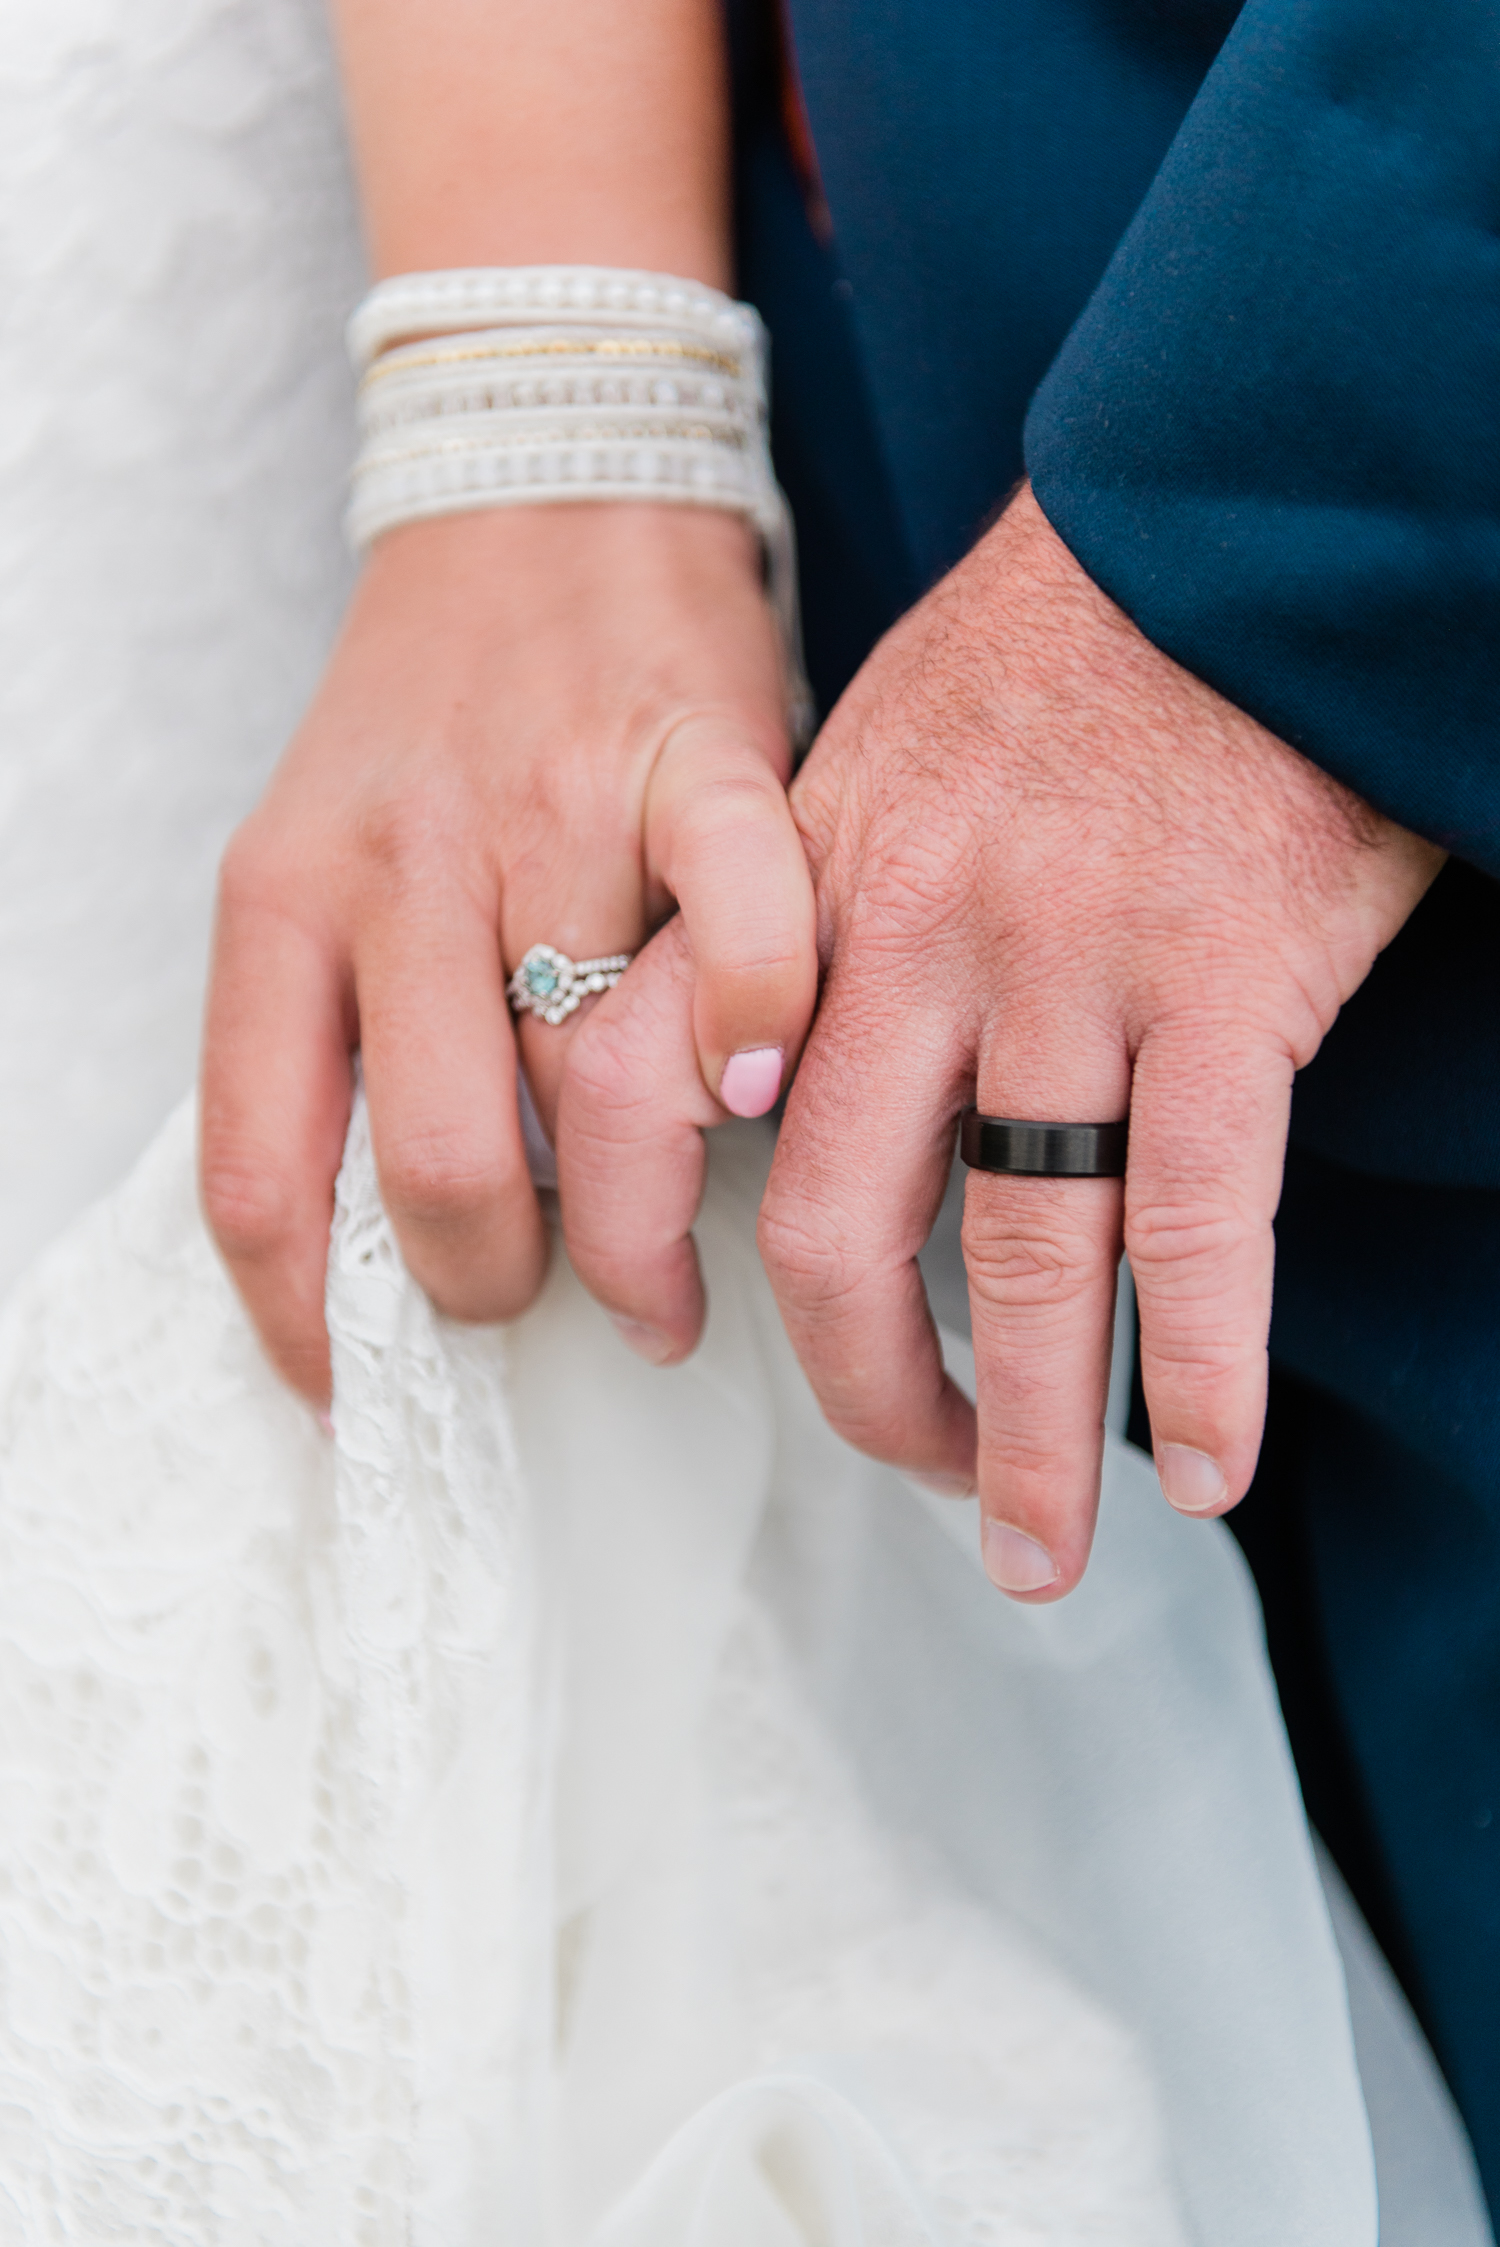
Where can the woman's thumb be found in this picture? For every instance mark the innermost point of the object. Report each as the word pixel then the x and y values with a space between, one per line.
pixel 721 836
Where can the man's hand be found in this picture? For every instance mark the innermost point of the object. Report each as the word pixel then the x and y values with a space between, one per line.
pixel 1057 874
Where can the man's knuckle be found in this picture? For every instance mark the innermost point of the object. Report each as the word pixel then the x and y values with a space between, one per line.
pixel 1043 1456
pixel 1180 1242
pixel 1193 1361
pixel 917 888
pixel 1045 1269
pixel 867 1424
pixel 806 1262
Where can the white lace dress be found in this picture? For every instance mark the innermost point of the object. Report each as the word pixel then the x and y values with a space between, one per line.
pixel 579 1804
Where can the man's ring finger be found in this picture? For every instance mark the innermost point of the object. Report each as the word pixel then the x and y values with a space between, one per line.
pixel 1015 1149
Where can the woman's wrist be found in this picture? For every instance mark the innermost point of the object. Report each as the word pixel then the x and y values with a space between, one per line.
pixel 544 557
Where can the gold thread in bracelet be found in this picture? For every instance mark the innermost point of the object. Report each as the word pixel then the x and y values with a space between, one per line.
pixel 624 348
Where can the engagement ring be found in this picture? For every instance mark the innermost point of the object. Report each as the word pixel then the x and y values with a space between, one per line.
pixel 551 986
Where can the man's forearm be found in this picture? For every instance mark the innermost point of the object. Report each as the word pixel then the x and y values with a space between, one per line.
pixel 498 132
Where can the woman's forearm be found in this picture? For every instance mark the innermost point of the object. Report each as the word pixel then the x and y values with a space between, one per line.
pixel 538 132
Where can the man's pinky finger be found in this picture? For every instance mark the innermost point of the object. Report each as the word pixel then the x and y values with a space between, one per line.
pixel 1207 1144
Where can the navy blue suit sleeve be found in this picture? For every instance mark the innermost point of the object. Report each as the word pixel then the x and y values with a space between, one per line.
pixel 1273 436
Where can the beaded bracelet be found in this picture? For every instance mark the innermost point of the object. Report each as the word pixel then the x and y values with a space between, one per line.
pixel 540 384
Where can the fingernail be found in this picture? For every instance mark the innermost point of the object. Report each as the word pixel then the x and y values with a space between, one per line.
pixel 325 1421
pixel 946 1486
pixel 751 1080
pixel 646 1342
pixel 1014 1561
pixel 1190 1480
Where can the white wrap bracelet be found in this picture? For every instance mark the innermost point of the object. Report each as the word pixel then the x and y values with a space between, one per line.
pixel 537 384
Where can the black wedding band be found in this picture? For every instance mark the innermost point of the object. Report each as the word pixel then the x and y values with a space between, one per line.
pixel 1042 1150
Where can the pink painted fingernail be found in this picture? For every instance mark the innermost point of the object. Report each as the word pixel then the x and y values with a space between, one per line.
pixel 646 1342
pixel 1190 1480
pixel 324 1420
pixel 1015 1562
pixel 751 1080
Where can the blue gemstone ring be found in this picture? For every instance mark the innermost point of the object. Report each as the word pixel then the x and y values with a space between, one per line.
pixel 551 986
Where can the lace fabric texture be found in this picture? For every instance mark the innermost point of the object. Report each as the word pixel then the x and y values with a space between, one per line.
pixel 491 1826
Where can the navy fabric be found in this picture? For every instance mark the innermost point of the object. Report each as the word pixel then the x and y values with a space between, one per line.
pixel 855 565
pixel 981 159
pixel 1407 1084
pixel 1251 259
pixel 1384 1532
pixel 1274 435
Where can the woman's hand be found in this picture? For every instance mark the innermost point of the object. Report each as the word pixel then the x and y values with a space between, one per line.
pixel 540 725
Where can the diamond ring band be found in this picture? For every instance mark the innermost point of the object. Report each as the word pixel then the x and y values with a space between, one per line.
pixel 551 986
